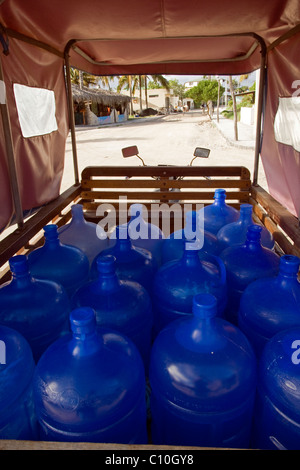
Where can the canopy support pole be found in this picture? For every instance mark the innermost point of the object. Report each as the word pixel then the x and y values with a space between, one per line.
pixel 71 117
pixel 10 156
pixel 258 137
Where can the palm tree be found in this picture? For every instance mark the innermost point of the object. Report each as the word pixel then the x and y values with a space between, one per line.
pixel 82 78
pixel 130 82
pixel 105 80
pixel 159 79
pixel 234 108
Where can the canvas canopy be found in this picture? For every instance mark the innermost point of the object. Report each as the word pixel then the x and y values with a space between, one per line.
pixel 40 39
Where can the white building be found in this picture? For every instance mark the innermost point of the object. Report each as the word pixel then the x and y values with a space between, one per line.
pixel 158 99
pixel 189 85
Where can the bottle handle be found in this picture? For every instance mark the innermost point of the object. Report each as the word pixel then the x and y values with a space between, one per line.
pixel 216 260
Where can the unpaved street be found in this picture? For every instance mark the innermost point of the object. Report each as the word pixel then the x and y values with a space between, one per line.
pixel 165 140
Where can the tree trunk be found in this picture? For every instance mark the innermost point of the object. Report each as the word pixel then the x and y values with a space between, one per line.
pixel 80 79
pixel 140 85
pixel 130 91
pixel 146 92
pixel 234 108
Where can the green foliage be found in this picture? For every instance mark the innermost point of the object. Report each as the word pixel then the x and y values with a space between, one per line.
pixel 159 81
pixel 206 90
pixel 178 88
pixel 152 85
pixel 87 79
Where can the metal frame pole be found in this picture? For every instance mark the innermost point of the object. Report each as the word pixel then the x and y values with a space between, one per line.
pixel 262 84
pixel 10 157
pixel 71 116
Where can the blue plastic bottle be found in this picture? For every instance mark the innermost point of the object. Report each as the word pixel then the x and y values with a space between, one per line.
pixel 173 246
pixel 277 411
pixel 235 233
pixel 219 213
pixel 203 379
pixel 58 262
pixel 132 263
pixel 38 309
pixel 17 415
pixel 144 234
pixel 270 305
pixel 177 282
pixel 87 236
pixel 89 386
pixel 244 264
pixel 122 305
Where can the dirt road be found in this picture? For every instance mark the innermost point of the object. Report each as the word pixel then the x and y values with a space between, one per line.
pixel 167 140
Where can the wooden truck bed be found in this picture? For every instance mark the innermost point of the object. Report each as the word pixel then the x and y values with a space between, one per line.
pixel 106 185
pixel 110 184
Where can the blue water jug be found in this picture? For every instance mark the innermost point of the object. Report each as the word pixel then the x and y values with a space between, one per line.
pixel 122 305
pixel 277 411
pixel 144 234
pixel 244 264
pixel 89 386
pixel 173 246
pixel 177 282
pixel 235 233
pixel 87 236
pixel 132 263
pixel 38 309
pixel 218 214
pixel 203 380
pixel 58 262
pixel 270 305
pixel 17 415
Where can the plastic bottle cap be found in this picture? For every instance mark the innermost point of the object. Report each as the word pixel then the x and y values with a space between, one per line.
pixel 50 231
pixel 122 232
pixel 246 208
pixel 77 210
pixel 289 264
pixel 219 192
pixel 193 246
pixel 204 305
pixel 18 264
pixel 83 320
pixel 106 264
pixel 254 232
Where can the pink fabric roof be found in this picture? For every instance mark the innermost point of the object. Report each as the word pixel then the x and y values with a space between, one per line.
pixel 142 37
pixel 120 35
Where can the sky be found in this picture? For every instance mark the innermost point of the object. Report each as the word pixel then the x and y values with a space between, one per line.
pixel 191 78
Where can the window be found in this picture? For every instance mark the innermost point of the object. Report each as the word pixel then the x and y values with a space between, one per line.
pixel 287 122
pixel 36 110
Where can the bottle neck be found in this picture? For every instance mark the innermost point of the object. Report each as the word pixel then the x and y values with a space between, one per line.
pixel 253 238
pixel 245 215
pixel 51 236
pixel 77 214
pixel 200 330
pixel 191 256
pixel 253 245
pixel 219 201
pixel 123 242
pixel 219 197
pixel 288 270
pixel 20 273
pixel 107 280
pixel 22 280
pixel 85 340
pixel 124 245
